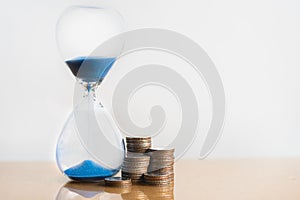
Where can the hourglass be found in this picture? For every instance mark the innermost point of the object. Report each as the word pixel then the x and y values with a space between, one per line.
pixel 90 146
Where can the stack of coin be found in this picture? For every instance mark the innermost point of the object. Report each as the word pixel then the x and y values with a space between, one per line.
pixel 161 161
pixel 117 182
pixel 134 166
pixel 160 169
pixel 158 179
pixel 138 144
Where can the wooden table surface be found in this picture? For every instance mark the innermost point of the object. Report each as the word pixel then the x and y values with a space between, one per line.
pixel 194 179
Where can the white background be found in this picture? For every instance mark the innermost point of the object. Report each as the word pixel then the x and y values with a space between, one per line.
pixel 254 44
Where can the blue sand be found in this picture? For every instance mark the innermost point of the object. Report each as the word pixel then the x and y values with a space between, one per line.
pixel 90 69
pixel 89 170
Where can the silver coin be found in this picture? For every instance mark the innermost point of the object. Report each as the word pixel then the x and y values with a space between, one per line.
pixel 117 181
pixel 138 138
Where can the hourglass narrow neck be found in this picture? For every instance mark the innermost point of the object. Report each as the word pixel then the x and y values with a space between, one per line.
pixel 90 91
pixel 89 86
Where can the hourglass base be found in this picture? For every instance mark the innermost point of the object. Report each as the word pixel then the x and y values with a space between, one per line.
pixel 89 171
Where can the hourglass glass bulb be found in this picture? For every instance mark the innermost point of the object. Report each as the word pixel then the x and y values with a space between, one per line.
pixel 80 30
pixel 90 146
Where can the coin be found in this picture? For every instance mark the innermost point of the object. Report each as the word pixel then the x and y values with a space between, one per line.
pixel 161 161
pixel 137 138
pixel 164 170
pixel 158 179
pixel 135 171
pixel 153 166
pixel 134 166
pixel 136 157
pixel 138 144
pixel 132 176
pixel 117 181
pixel 157 176
pixel 158 150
